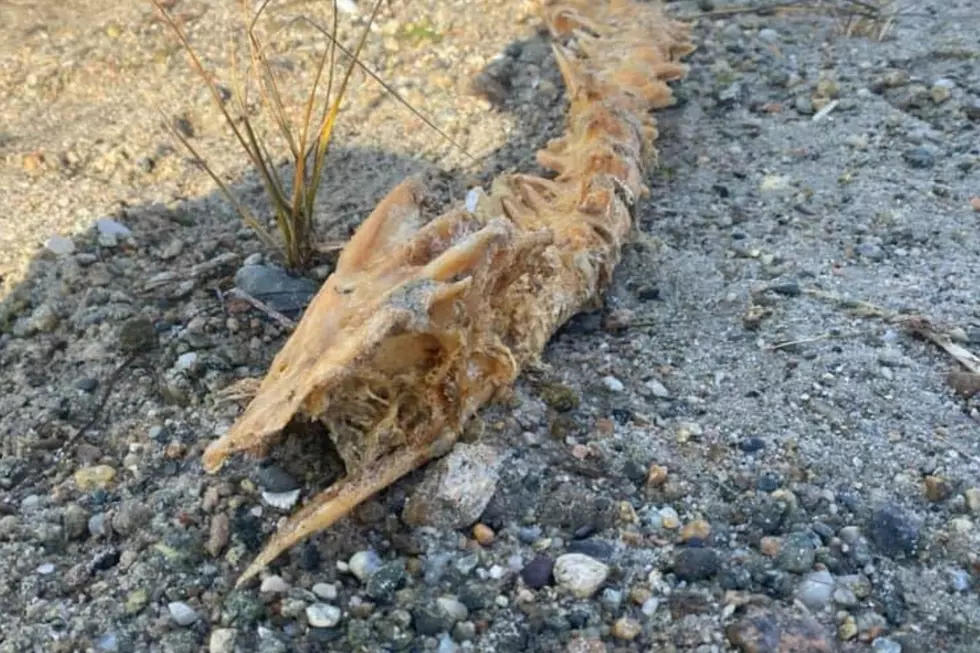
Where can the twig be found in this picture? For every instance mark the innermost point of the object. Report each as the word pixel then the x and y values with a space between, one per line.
pixel 238 293
pixel 801 341
pixel 109 384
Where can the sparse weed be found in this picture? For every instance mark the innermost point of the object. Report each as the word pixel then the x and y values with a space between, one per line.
pixel 308 142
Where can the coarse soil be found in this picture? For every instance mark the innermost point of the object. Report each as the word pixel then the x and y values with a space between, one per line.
pixel 752 464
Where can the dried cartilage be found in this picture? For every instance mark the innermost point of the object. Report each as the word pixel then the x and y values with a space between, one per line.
pixel 424 321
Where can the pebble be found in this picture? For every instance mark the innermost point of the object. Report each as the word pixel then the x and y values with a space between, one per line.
pixel 919 157
pixel 274 478
pixel 797 554
pixel 893 531
pixel 111 231
pixel 181 613
pixel 98 525
pixel 885 645
pixel 816 589
pixel 696 563
pixel 323 615
pixel 108 643
pixel 218 534
pixel 452 608
pixel 537 573
pixel 580 574
pixel 483 534
pixel 222 640
pixel 657 389
pixel 456 490
pixel 972 497
pixel 46 569
pixel 669 518
pixel 768 35
pixel 274 286
pixel 649 607
pixel 59 245
pixel 613 384
pixel 274 585
pixel 779 631
pixel 626 629
pixel 363 564
pixel 325 591
pixel 96 477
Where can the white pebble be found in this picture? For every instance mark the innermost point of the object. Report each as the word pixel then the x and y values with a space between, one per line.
pixel 274 585
pixel 181 613
pixel 323 615
pixel 222 640
pixel 613 384
pixel 363 564
pixel 60 245
pixel 326 591
pixel 580 574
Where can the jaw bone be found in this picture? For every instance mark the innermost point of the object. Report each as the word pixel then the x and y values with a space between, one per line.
pixel 424 321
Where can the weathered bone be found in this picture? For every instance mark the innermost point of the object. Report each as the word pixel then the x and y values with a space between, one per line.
pixel 422 323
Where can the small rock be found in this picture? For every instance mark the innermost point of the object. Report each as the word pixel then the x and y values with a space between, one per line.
pixel 274 585
pixel 696 563
pixel 698 529
pixel 456 490
pixel 454 610
pixel 136 601
pixel 919 157
pixel 972 497
pixel 942 90
pixel 768 35
pixel 273 478
pixel 779 632
pixel 626 629
pixel 937 488
pixel 218 534
pixel 107 643
pixel 537 573
pixel 181 613
pixel 222 640
pixel 483 534
pixel 325 591
pixel 59 245
pixel 323 615
pixel 111 231
pixel 885 645
pixel 46 569
pixel 274 286
pixel 580 574
pixel 893 531
pixel 136 335
pixel 657 389
pixel 363 564
pixel 186 362
pixel 381 585
pixel 797 553
pixel 816 589
pixel 74 521
pixel 95 477
pixel 613 384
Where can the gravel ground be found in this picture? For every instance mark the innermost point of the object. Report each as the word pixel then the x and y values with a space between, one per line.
pixel 721 459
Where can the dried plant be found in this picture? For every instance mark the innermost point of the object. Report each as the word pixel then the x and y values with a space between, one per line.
pixel 426 318
pixel 308 142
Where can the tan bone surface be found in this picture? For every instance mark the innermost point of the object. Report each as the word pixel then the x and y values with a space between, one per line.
pixel 422 322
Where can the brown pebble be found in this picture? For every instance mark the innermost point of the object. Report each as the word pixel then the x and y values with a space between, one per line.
pixel 779 632
pixel 175 450
pixel 938 488
pixel 483 534
pixel 657 476
pixel 218 535
pixel 627 629
pixel 640 595
pixel 770 546
pixel 698 529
